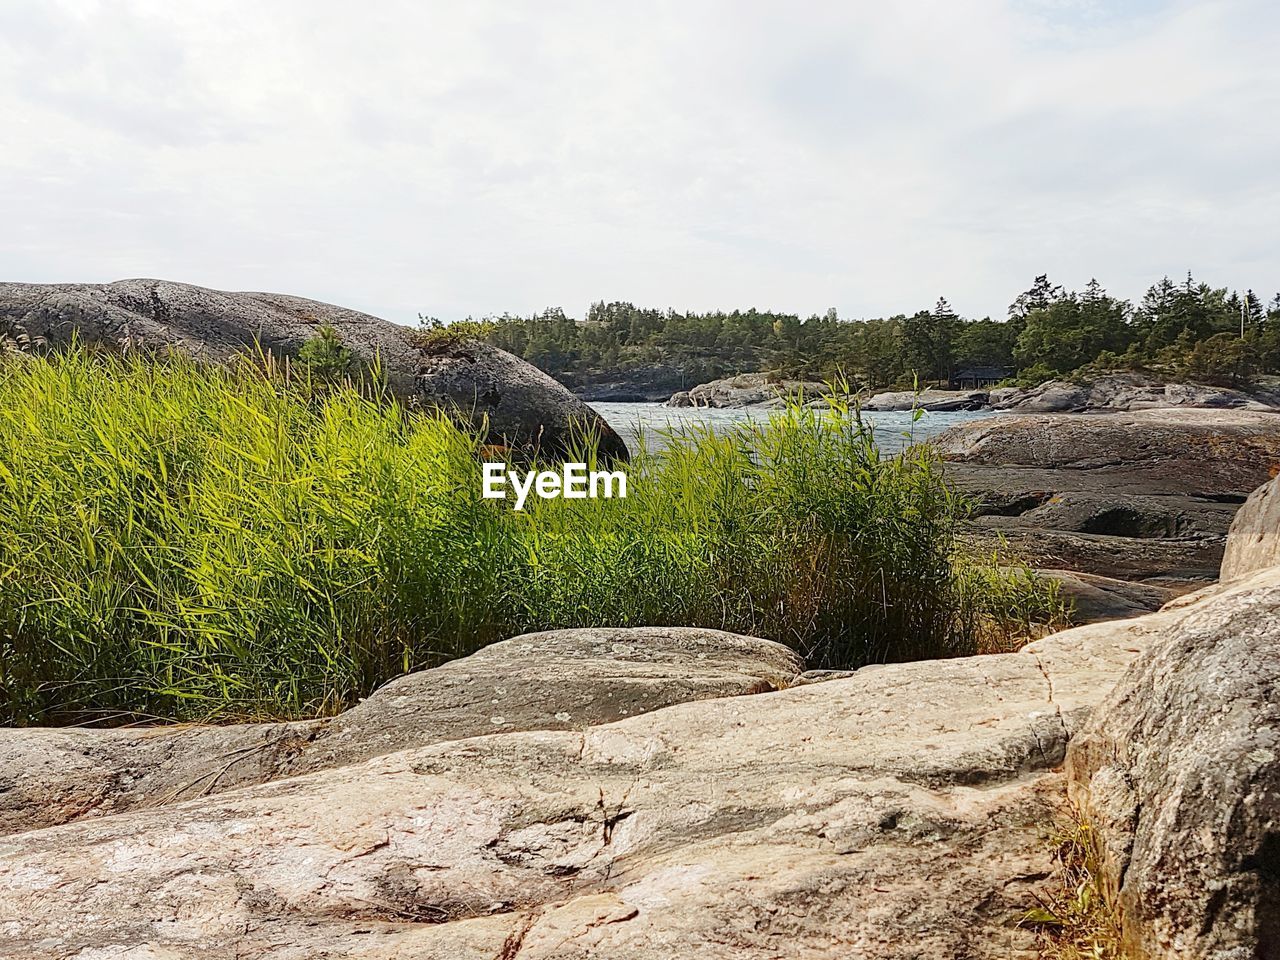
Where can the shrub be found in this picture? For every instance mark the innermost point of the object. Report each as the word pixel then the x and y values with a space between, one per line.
pixel 196 542
pixel 326 357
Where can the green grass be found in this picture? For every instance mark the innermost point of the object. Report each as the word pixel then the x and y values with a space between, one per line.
pixel 191 542
pixel 1077 920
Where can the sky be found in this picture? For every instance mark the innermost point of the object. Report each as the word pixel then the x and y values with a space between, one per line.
pixel 456 159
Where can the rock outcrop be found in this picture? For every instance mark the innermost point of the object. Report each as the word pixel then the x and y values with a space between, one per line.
pixel 1094 599
pixel 1105 393
pixel 932 400
pixel 900 811
pixel 520 404
pixel 1179 774
pixel 561 680
pixel 747 389
pixel 1132 391
pixel 1254 543
pixel 1143 496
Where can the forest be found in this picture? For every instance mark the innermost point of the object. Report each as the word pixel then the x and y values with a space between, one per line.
pixel 1188 330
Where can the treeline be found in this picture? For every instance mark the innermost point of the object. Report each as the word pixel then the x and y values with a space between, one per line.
pixel 1187 330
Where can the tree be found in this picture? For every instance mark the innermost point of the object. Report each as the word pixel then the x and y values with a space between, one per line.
pixel 1073 331
pixel 985 343
pixel 1040 296
pixel 1224 359
pixel 325 355
pixel 1168 310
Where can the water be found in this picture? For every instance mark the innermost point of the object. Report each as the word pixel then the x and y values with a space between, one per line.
pixel 890 428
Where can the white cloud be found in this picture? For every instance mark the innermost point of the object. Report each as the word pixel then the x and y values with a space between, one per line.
pixel 469 158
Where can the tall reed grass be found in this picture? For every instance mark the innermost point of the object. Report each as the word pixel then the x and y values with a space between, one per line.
pixel 195 542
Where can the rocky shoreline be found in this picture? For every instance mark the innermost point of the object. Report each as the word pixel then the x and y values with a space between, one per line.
pixel 1126 510
pixel 1118 392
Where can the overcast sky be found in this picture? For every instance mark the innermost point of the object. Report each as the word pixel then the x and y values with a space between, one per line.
pixel 460 158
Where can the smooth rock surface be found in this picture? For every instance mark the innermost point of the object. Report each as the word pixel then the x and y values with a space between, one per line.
pixel 1179 773
pixel 1093 599
pixel 1254 543
pixel 560 680
pixel 900 812
pixel 1148 495
pixel 521 404
pixel 927 400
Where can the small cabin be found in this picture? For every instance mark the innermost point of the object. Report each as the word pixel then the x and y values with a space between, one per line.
pixel 979 378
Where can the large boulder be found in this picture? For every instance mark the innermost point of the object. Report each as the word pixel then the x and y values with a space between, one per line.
pixel 521 405
pixel 1254 543
pixel 1147 495
pixel 559 680
pixel 1178 773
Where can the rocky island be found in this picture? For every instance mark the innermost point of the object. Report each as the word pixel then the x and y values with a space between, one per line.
pixel 1104 393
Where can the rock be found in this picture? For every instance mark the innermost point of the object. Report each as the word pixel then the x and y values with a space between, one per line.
pixel 522 405
pixel 1254 543
pixel 557 680
pixel 561 680
pixel 899 812
pixel 1129 391
pixel 745 390
pixel 643 384
pixel 998 395
pixel 1178 772
pixel 1134 516
pixel 600 395
pixel 932 400
pixel 1093 599
pixel 1179 562
pixel 1215 453
pixel 1144 495
pixel 821 676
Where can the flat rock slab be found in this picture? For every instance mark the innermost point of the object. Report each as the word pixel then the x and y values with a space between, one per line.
pixel 937 400
pixel 1094 599
pixel 1174 562
pixel 559 680
pixel 900 812
pixel 1132 496
pixel 1206 453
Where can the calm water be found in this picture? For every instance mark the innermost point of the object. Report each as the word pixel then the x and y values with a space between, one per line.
pixel 891 429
